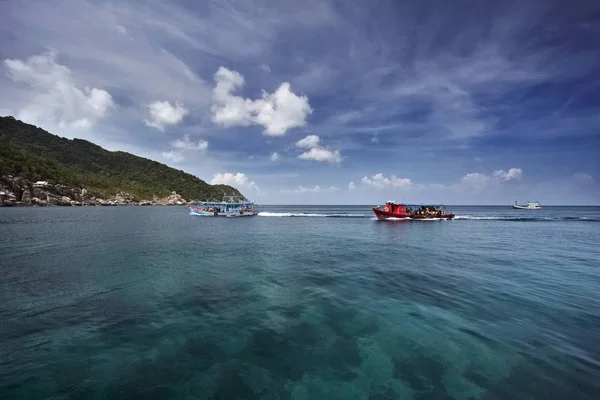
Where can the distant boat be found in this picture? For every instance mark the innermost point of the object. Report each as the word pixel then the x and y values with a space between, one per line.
pixel 531 205
pixel 231 206
pixel 391 209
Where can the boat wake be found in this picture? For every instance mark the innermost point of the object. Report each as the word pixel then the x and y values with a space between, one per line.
pixel 310 215
pixel 509 218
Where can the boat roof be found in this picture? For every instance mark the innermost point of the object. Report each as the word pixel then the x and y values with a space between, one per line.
pixel 228 200
pixel 224 203
pixel 417 205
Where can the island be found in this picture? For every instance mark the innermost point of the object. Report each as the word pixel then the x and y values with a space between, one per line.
pixel 38 168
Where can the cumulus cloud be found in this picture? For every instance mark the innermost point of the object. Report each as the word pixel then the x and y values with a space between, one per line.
pixel 314 189
pixel 238 181
pixel 513 173
pixel 276 112
pixel 175 156
pixel 475 179
pixel 274 157
pixel 53 96
pixel 180 146
pixel 582 177
pixel 163 113
pixel 478 179
pixel 308 142
pixel 322 154
pixel 351 186
pixel 380 181
pixel 186 144
pixel 316 152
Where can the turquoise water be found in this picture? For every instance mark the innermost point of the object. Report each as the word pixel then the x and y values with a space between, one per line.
pixel 151 303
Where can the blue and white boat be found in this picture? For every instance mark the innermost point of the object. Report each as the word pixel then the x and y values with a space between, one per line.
pixel 230 206
pixel 531 205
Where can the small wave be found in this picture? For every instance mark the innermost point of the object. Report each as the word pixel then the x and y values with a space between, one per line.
pixel 310 215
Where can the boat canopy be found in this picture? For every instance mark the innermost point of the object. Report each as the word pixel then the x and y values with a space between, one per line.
pixel 224 203
pixel 228 201
pixel 417 205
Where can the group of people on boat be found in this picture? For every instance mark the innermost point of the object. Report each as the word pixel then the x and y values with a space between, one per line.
pixel 427 210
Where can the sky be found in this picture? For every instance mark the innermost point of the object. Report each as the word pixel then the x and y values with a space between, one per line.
pixel 323 102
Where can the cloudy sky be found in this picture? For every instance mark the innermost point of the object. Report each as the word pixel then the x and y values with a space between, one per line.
pixel 318 102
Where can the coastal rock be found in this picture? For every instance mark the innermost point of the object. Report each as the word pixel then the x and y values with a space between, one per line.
pixel 52 199
pixel 26 198
pixel 121 199
pixel 38 202
pixel 20 191
pixel 7 198
pixel 171 200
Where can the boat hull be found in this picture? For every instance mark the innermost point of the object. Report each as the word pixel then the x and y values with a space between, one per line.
pixel 525 208
pixel 221 214
pixel 381 214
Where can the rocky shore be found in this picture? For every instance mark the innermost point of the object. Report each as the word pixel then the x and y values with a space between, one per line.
pixel 17 191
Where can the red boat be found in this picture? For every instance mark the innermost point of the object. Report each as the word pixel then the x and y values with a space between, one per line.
pixel 402 211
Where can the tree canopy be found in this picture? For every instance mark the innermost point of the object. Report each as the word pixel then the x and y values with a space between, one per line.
pixel 34 154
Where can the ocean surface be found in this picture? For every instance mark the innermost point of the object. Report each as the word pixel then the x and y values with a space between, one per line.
pixel 299 303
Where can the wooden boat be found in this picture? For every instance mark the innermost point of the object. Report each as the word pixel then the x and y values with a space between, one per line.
pixel 392 210
pixel 230 206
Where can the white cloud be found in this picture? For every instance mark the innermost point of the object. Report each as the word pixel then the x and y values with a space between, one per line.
pixel 265 67
pixel 351 186
pixel 317 152
pixel 163 113
pixel 277 112
pixel 274 157
pixel 380 181
pixel 186 144
pixel 238 181
pixel 582 177
pixel 314 189
pixel 53 97
pixel 478 179
pixel 475 179
pixel 308 142
pixel 321 154
pixel 181 146
pixel 175 156
pixel 513 173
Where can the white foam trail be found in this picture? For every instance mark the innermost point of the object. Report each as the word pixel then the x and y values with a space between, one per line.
pixel 473 217
pixel 313 215
pixel 276 214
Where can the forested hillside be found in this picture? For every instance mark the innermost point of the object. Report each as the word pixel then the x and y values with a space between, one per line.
pixel 34 154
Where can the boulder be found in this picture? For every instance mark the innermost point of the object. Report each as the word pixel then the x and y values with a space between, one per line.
pixel 65 201
pixel 38 202
pixel 52 200
pixel 26 197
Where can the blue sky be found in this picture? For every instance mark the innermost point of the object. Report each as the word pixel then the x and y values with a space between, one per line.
pixel 318 102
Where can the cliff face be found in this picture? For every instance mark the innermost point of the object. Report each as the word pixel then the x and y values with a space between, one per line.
pixel 29 154
pixel 18 191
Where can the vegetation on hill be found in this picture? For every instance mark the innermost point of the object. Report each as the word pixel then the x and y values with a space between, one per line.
pixel 34 154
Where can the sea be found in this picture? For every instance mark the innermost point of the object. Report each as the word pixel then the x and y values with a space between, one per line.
pixel 299 302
